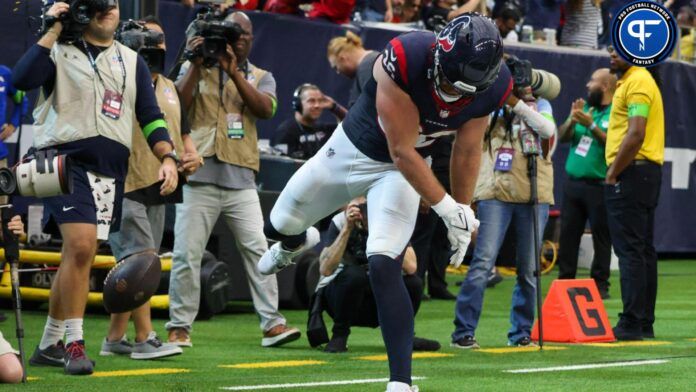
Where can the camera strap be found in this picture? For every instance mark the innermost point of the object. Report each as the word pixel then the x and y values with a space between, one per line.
pixel 93 63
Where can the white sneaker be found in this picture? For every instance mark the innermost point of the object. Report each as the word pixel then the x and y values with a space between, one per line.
pixel 276 258
pixel 396 386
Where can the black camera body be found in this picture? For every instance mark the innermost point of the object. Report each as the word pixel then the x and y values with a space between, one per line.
pixel 76 19
pixel 144 41
pixel 521 71
pixel 217 34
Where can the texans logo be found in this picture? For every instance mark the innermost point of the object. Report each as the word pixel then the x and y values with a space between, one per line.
pixel 448 35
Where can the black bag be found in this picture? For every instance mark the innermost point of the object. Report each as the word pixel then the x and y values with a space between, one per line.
pixel 316 329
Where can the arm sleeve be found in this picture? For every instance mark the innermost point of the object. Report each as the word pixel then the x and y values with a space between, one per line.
pixel 639 98
pixel 147 111
pixel 35 69
pixel 394 63
pixel 540 124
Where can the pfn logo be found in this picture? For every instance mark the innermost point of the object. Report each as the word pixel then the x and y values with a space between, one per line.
pixel 644 33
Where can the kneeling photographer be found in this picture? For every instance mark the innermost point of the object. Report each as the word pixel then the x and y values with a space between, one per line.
pixel 503 196
pixel 92 91
pixel 224 95
pixel 344 289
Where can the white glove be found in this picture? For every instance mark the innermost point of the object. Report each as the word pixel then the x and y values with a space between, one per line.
pixel 461 222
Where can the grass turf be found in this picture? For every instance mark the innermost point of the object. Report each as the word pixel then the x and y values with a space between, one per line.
pixel 235 339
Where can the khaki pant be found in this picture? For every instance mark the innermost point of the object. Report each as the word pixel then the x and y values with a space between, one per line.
pixel 195 218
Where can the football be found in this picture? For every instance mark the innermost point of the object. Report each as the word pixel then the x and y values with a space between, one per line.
pixel 132 282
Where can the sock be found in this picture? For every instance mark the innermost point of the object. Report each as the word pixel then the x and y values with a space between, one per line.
pixel 73 330
pixel 53 332
pixel 288 242
pixel 395 314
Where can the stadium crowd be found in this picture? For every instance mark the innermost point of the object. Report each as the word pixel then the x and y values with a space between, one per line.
pixel 193 142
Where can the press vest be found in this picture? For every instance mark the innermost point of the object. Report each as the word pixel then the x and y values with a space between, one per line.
pixel 511 186
pixel 73 110
pixel 143 166
pixel 209 119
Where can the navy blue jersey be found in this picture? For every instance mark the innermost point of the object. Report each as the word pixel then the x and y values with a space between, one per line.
pixel 408 60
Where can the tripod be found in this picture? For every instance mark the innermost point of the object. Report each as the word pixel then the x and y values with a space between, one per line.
pixel 534 201
pixel 11 245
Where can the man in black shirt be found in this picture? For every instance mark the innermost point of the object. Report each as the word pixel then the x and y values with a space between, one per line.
pixel 345 286
pixel 304 134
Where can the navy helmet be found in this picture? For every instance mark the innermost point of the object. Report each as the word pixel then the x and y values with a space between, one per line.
pixel 468 54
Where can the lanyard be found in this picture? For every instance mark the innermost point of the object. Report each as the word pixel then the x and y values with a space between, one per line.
pixel 93 63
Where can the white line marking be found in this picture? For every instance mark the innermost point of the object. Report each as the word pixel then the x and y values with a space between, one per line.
pixel 588 366
pixel 311 384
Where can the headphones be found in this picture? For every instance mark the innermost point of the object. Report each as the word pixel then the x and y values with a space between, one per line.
pixel 297 95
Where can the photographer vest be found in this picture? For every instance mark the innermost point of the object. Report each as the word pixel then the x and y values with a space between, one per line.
pixel 511 186
pixel 73 111
pixel 143 166
pixel 211 116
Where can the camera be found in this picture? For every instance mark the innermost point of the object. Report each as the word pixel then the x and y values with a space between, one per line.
pixel 217 34
pixel 41 173
pixel 144 41
pixel 76 19
pixel 543 83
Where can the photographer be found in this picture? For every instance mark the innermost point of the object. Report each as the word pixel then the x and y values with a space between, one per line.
pixel 142 221
pixel 583 191
pixel 223 128
pixel 304 134
pixel 345 286
pixel 93 89
pixel 503 198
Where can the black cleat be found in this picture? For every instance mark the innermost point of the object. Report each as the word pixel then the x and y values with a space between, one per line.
pixel 50 356
pixel 648 332
pixel 337 344
pixel 76 360
pixel 522 342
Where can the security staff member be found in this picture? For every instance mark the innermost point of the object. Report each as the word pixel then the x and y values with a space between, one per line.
pixel 224 130
pixel 142 223
pixel 583 193
pixel 92 92
pixel 635 153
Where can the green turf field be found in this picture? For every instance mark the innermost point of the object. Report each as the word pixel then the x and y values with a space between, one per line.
pixel 234 339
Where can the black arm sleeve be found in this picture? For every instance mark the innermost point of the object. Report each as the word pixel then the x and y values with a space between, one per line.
pixel 147 111
pixel 35 69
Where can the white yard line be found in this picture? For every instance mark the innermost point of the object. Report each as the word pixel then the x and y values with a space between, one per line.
pixel 311 384
pixel 588 366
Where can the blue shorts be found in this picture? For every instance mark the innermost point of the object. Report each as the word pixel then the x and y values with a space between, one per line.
pixel 81 205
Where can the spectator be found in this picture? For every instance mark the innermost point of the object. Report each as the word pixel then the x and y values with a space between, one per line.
pixel 582 21
pixel 506 18
pixel 502 198
pixel 440 12
pixel 335 11
pixel 349 58
pixel 686 19
pixel 304 134
pixel 635 152
pixel 379 10
pixel 227 139
pixel 543 14
pixel 8 126
pixel 142 222
pixel 290 7
pixel 429 238
pixel 408 12
pixel 345 286
pixel 583 193
pixel 11 371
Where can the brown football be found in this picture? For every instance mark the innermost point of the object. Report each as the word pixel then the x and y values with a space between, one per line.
pixel 132 282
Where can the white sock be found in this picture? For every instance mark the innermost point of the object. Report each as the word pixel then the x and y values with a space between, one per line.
pixel 73 330
pixel 53 332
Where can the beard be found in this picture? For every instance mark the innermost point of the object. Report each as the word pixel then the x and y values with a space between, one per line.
pixel 594 98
